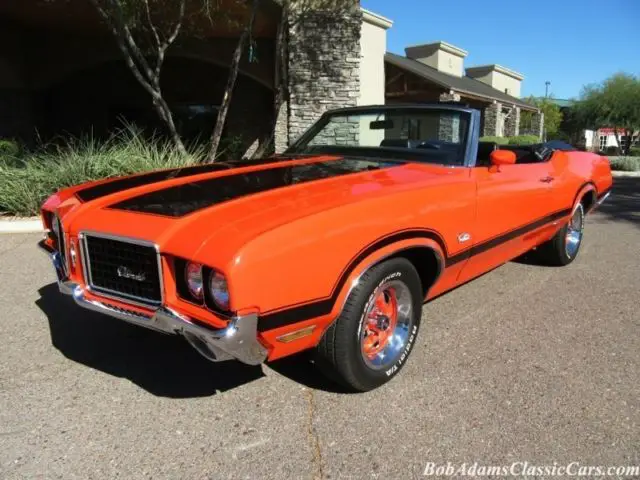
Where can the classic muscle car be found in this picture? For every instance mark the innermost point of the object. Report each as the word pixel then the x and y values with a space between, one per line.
pixel 333 246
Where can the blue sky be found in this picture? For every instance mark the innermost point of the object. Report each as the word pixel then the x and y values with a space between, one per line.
pixel 567 42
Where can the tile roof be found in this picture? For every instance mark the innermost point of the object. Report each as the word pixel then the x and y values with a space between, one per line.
pixel 459 84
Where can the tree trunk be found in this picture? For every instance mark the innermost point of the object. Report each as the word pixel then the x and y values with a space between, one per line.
pixel 281 72
pixel 216 136
pixel 147 77
pixel 617 135
pixel 165 113
pixel 627 148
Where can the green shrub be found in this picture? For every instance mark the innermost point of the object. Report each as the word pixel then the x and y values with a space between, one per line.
pixel 519 140
pixel 9 148
pixel 498 140
pixel 634 152
pixel 524 140
pixel 625 164
pixel 27 181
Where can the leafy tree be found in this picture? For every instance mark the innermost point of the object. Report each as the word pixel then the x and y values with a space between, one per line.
pixel 125 19
pixel 614 103
pixel 145 29
pixel 552 115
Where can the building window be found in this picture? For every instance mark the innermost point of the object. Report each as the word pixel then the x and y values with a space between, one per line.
pixel 603 142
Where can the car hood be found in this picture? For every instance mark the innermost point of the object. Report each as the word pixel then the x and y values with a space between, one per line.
pixel 227 207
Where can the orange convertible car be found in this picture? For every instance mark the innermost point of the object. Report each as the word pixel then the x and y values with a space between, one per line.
pixel 333 246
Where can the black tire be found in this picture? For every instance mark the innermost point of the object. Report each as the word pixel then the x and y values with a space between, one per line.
pixel 339 353
pixel 555 252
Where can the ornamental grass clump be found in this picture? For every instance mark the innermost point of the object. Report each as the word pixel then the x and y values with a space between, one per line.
pixel 26 180
pixel 625 164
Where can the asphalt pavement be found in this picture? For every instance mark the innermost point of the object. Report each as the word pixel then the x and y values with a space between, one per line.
pixel 524 364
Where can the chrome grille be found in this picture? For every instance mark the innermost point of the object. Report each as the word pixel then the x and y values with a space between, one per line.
pixel 124 268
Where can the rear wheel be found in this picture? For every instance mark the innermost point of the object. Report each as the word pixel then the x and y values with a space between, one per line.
pixel 372 338
pixel 563 248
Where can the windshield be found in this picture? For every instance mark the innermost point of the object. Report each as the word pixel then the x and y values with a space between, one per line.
pixel 414 134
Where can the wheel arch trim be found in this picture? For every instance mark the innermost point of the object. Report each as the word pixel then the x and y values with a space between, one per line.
pixel 367 257
pixel 585 189
pixel 369 263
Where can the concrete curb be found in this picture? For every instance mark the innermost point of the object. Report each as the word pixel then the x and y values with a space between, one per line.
pixel 20 225
pixel 625 174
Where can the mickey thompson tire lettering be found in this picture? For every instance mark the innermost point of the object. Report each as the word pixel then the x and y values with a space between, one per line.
pixel 339 353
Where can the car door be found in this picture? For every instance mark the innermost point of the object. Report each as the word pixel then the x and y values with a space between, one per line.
pixel 513 202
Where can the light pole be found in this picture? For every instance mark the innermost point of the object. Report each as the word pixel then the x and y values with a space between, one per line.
pixel 546 95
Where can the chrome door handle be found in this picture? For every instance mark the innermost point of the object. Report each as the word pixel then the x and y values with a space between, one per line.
pixel 547 179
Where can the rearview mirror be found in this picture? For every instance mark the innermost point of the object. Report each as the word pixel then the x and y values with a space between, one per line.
pixel 503 157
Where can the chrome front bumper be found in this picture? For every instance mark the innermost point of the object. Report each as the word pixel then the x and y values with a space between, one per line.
pixel 239 340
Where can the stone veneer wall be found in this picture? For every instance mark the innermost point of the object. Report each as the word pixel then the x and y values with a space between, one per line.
pixel 491 120
pixel 536 127
pixel 449 128
pixel 512 123
pixel 324 68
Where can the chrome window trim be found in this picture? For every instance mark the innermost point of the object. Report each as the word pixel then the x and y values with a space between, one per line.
pixel 112 294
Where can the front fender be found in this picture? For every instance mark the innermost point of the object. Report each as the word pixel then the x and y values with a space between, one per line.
pixel 275 327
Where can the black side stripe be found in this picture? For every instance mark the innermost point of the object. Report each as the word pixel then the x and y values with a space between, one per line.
pixel 505 237
pixel 318 308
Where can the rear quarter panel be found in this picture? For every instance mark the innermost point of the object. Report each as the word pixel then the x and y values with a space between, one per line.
pixel 577 173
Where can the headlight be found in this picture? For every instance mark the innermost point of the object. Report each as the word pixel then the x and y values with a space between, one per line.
pixel 193 274
pixel 219 290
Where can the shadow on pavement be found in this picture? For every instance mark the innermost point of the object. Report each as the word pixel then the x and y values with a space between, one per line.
pixel 300 369
pixel 624 201
pixel 163 365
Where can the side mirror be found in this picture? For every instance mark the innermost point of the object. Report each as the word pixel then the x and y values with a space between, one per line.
pixel 503 157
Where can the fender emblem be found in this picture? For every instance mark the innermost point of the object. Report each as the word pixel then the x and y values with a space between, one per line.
pixel 464 237
pixel 126 272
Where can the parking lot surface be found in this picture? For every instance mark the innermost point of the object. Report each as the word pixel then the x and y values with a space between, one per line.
pixel 526 363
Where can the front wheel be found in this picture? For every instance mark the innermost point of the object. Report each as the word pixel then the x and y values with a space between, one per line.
pixel 372 338
pixel 563 248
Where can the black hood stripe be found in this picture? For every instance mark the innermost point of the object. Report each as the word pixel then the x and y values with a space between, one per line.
pixel 181 200
pixel 125 183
